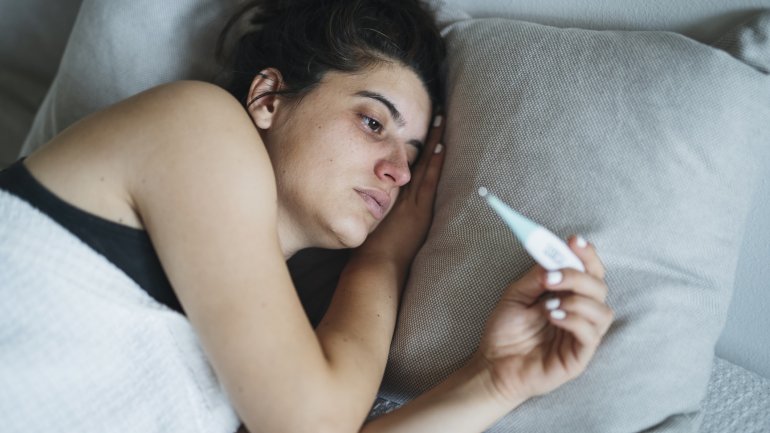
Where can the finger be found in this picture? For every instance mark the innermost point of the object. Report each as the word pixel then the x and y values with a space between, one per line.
pixel 527 289
pixel 573 280
pixel 586 252
pixel 435 132
pixel 429 184
pixel 597 313
pixel 584 333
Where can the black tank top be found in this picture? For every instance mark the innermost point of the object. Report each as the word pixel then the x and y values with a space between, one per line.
pixel 127 248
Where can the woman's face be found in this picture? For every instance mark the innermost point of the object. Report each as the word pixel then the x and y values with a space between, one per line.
pixel 342 152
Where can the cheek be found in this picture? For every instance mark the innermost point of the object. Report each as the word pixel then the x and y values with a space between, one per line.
pixel 326 155
pixel 344 152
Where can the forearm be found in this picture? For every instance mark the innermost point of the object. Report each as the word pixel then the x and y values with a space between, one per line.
pixel 465 402
pixel 357 329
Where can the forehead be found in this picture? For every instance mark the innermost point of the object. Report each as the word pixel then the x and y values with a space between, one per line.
pixel 398 83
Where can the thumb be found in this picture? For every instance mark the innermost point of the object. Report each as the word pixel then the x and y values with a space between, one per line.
pixel 528 288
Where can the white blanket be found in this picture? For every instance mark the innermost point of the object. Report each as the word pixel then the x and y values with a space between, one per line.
pixel 84 349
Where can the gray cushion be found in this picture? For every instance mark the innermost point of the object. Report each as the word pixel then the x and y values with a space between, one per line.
pixel 737 400
pixel 117 49
pixel 34 35
pixel 647 143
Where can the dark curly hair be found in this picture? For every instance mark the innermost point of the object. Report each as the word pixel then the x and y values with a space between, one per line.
pixel 304 39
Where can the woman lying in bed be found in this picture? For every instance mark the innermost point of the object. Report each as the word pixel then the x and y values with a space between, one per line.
pixel 325 132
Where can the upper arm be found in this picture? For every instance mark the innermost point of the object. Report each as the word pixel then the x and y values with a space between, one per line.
pixel 206 194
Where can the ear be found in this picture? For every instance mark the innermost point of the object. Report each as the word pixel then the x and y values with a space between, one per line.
pixel 265 104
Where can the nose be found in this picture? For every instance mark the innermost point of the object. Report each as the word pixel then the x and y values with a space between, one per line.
pixel 394 169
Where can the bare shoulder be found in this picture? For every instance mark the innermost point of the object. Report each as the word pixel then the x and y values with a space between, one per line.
pixel 187 140
pixel 183 113
pixel 188 109
pixel 189 91
pixel 195 133
pixel 159 141
pixel 176 123
pixel 195 98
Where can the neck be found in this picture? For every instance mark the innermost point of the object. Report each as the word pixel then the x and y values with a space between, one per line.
pixel 289 236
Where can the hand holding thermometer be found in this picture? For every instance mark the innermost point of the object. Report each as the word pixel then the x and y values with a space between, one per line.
pixel 545 247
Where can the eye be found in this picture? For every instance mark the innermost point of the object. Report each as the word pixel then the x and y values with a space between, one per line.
pixel 372 124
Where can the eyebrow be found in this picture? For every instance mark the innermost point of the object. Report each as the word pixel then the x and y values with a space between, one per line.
pixel 397 117
pixel 386 102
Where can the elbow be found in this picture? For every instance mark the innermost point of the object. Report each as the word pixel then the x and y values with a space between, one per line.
pixel 335 420
pixel 334 424
pixel 309 416
pixel 311 426
pixel 325 402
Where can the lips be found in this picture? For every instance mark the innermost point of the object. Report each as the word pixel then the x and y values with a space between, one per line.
pixel 376 201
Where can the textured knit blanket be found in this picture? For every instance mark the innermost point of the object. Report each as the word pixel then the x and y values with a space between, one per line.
pixel 84 349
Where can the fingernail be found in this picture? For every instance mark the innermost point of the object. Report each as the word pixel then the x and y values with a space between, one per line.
pixel 558 314
pixel 554 277
pixel 439 148
pixel 552 304
pixel 437 120
pixel 581 242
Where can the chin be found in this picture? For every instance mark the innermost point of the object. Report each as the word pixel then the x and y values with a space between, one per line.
pixel 349 234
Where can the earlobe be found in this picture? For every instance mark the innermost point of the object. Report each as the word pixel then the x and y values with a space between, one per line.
pixel 262 99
